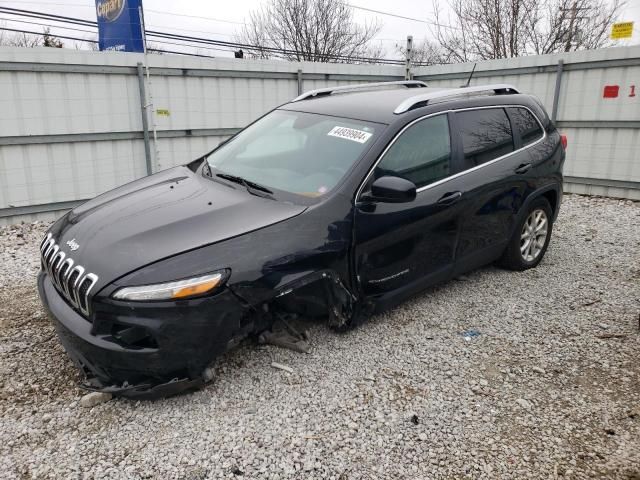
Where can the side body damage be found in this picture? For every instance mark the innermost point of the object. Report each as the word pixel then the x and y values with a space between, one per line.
pixel 268 274
pixel 279 237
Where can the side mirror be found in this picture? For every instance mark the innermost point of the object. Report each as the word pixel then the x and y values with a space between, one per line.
pixel 393 190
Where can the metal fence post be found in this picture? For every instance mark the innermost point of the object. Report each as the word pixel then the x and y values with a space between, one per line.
pixel 408 74
pixel 145 118
pixel 556 93
pixel 299 81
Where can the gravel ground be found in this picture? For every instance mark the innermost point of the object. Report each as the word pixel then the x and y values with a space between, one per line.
pixel 539 393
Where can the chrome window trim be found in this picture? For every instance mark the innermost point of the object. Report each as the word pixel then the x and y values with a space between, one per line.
pixel 464 172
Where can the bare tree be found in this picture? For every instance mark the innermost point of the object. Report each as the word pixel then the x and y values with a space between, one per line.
pixel 30 40
pixel 488 29
pixel 568 25
pixel 22 40
pixel 49 40
pixel 426 53
pixel 311 30
pixel 91 43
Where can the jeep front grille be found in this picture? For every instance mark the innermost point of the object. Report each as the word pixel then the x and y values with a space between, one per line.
pixel 71 280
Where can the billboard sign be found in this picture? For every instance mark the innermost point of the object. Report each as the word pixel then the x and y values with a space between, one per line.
pixel 119 25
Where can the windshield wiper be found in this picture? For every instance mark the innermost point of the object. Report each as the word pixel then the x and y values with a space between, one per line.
pixel 248 184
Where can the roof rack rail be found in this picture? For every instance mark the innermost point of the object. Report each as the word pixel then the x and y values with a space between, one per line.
pixel 497 89
pixel 359 86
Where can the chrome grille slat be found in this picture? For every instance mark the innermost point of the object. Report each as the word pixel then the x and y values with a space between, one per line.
pixel 56 263
pixel 76 284
pixel 63 274
pixel 62 269
pixel 48 258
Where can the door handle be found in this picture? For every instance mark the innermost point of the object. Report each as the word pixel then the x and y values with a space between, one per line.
pixel 450 198
pixel 523 168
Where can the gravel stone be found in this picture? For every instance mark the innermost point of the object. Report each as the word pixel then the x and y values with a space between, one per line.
pixel 329 420
pixel 94 398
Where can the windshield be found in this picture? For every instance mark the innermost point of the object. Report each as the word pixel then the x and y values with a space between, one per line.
pixel 296 152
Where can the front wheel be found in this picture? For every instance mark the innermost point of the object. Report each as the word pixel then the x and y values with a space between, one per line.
pixel 530 238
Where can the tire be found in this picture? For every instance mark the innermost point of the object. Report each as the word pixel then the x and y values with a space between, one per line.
pixel 527 247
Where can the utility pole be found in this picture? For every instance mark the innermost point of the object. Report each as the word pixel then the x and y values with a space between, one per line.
pixel 572 22
pixel 409 58
pixel 149 104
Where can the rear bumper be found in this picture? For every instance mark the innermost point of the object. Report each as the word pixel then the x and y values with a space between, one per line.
pixel 169 341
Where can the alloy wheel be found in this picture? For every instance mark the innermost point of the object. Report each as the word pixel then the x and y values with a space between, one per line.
pixel 534 235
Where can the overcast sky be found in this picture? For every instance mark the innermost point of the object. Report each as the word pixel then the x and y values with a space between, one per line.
pixel 215 19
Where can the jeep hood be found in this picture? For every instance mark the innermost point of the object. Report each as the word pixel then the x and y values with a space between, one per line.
pixel 160 216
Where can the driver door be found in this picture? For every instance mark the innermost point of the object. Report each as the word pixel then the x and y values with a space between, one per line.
pixel 404 247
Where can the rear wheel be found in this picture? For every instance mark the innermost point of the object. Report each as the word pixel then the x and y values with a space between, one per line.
pixel 530 238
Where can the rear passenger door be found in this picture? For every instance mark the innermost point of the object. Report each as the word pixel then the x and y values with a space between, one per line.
pixel 496 171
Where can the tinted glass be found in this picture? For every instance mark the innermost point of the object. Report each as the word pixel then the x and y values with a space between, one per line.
pixel 486 135
pixel 526 124
pixel 421 154
pixel 295 152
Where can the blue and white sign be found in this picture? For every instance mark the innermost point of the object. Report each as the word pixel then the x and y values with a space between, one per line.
pixel 119 26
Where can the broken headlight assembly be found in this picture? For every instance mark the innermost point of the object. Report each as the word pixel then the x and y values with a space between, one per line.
pixel 177 290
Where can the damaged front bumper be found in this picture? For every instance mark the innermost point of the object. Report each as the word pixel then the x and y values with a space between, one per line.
pixel 147 350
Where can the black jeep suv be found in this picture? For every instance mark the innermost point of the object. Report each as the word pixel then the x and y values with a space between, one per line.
pixel 340 203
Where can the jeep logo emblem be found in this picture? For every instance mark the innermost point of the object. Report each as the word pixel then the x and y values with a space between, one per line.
pixel 73 245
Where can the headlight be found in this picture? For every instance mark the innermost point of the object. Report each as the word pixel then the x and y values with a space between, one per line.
pixel 177 290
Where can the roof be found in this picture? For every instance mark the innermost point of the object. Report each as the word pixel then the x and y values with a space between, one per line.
pixel 384 105
pixel 369 105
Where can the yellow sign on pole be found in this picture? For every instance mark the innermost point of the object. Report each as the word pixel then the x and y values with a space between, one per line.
pixel 622 30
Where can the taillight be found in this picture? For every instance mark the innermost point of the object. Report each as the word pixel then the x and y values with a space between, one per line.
pixel 563 139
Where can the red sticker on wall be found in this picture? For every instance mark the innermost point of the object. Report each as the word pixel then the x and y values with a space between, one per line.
pixel 611 91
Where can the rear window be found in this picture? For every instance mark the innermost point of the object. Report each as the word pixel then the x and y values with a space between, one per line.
pixel 486 135
pixel 526 125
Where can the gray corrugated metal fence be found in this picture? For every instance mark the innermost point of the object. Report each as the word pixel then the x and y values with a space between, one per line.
pixel 71 124
pixel 603 133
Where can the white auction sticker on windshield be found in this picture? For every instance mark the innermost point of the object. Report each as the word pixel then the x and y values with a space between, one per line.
pixel 359 136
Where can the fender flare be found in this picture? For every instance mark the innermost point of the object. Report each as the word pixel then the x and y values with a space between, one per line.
pixel 534 196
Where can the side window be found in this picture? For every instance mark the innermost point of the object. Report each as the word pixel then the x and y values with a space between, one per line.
pixel 486 135
pixel 526 124
pixel 422 154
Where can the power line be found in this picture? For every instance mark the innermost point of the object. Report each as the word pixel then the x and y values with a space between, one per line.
pixel 186 38
pixel 388 14
pixel 67 37
pixel 48 25
pixel 159 12
pixel 164 42
pixel 68 28
pixel 65 4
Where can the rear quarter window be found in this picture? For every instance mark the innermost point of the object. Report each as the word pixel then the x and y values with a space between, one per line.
pixel 526 125
pixel 486 135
